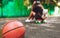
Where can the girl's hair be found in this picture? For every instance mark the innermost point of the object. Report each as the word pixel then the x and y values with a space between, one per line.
pixel 35 4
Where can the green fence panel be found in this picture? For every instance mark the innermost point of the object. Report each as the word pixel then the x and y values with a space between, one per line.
pixel 8 10
pixel 51 9
pixel 0 12
pixel 14 8
pixel 46 6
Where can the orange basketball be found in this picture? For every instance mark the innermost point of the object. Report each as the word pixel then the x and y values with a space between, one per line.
pixel 13 29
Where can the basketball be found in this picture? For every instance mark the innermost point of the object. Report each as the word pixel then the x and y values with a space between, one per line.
pixel 13 29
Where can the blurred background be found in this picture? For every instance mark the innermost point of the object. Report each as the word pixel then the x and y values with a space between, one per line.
pixel 22 8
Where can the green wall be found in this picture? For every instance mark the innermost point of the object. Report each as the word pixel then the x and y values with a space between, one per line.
pixel 0 12
pixel 16 8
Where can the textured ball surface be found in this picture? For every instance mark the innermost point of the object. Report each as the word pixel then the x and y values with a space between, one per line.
pixel 13 29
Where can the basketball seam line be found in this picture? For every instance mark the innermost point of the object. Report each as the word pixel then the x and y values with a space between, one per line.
pixel 11 30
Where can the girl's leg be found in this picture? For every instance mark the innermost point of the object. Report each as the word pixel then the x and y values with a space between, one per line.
pixel 32 14
pixel 31 17
pixel 44 19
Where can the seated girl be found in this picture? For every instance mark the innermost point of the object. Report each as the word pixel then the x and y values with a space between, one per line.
pixel 37 12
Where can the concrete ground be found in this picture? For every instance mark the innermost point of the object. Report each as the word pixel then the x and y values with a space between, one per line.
pixel 33 30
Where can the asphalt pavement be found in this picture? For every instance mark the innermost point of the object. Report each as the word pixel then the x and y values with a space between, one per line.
pixel 51 29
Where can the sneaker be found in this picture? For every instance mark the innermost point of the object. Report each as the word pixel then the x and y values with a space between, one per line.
pixel 38 22
pixel 27 20
pixel 45 21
